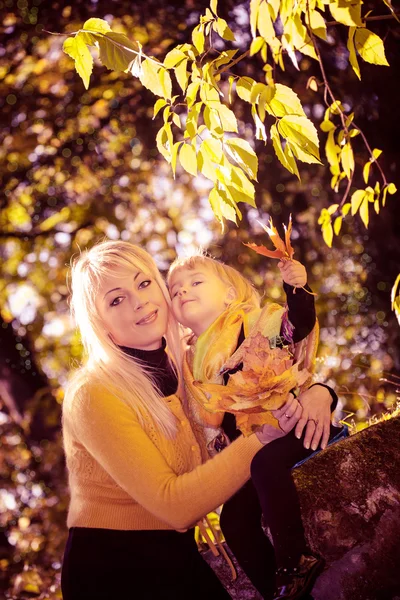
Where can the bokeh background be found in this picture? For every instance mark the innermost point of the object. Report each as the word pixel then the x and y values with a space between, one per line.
pixel 77 166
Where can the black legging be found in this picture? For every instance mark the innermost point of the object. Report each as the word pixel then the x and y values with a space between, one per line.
pixel 104 564
pixel 271 473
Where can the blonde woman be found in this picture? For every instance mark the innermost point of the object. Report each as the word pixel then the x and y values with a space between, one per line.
pixel 139 473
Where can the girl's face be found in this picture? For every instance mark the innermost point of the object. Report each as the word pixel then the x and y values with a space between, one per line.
pixel 134 310
pixel 198 296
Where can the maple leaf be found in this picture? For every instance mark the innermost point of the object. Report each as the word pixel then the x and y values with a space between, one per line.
pixel 284 249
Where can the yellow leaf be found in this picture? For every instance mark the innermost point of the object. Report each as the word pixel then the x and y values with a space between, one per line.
pixel 166 84
pixel 376 206
pixel 228 119
pixel 256 45
pixel 188 159
pixel 164 141
pixel 337 225
pixel 174 57
pixel 302 137
pixel 352 50
pixel 221 208
pixel 198 38
pixel 347 159
pixel 264 23
pixel 370 47
pixel 332 209
pixel 97 25
pixel 395 299
pixel 316 22
pixel 274 6
pixel 222 28
pixel 213 6
pixel 244 155
pixel 327 233
pixel 60 217
pixel 174 156
pixel 356 199
pixel 254 6
pixel 77 49
pixel 150 77
pixel 191 93
pixel 285 102
pixel 276 142
pixel 366 169
pixel 391 188
pixel 213 121
pixel 230 80
pixel 297 36
pixel 260 127
pixel 346 208
pixel 158 106
pixel 244 87
pixel 176 120
pixel 312 84
pixel 291 161
pixel 376 153
pixel 348 15
pixel 240 182
pixel 206 166
pixel 213 147
pixel 116 51
pixel 182 75
pixel 364 212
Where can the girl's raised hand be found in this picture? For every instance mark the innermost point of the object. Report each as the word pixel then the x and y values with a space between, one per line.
pixel 293 273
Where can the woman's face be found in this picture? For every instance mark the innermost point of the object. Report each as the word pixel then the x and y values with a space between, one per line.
pixel 134 310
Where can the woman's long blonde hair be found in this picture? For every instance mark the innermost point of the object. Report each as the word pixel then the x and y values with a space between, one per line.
pixel 107 365
pixel 246 294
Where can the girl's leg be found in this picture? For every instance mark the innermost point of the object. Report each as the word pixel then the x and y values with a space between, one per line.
pixel 105 564
pixel 272 477
pixel 241 525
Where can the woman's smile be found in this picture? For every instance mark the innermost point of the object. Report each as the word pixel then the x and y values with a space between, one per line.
pixel 150 318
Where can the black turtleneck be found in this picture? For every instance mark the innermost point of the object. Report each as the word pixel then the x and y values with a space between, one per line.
pixel 158 365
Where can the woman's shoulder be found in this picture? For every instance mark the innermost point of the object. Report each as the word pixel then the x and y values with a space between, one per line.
pixel 84 389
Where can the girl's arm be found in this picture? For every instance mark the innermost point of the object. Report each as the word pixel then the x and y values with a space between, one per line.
pixel 301 305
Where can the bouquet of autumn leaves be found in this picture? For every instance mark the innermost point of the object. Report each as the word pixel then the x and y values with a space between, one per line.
pixel 268 373
pixel 263 384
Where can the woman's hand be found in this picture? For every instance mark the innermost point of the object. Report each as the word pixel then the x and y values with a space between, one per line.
pixel 316 417
pixel 293 273
pixel 288 415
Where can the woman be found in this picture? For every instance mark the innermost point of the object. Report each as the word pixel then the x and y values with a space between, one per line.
pixel 136 468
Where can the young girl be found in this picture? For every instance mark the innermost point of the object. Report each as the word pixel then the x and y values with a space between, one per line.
pixel 222 309
pixel 134 462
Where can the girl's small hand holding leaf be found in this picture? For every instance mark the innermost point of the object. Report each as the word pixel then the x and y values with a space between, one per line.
pixel 293 273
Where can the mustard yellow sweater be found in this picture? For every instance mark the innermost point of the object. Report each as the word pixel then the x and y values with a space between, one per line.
pixel 127 477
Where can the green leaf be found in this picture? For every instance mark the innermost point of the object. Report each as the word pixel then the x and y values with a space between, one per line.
pixel 158 106
pixel 244 155
pixel 356 200
pixel 188 159
pixel 198 38
pixel 370 47
pixel 77 49
pixel 213 147
pixel 352 50
pixel 302 137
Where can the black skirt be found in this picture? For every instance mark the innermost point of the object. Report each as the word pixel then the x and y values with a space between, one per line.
pixel 104 564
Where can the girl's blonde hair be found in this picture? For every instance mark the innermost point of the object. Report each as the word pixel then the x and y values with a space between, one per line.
pixel 108 365
pixel 246 294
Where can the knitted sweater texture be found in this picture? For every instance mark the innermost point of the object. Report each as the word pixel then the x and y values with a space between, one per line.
pixel 127 477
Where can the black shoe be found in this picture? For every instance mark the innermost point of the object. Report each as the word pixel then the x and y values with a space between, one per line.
pixel 295 583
